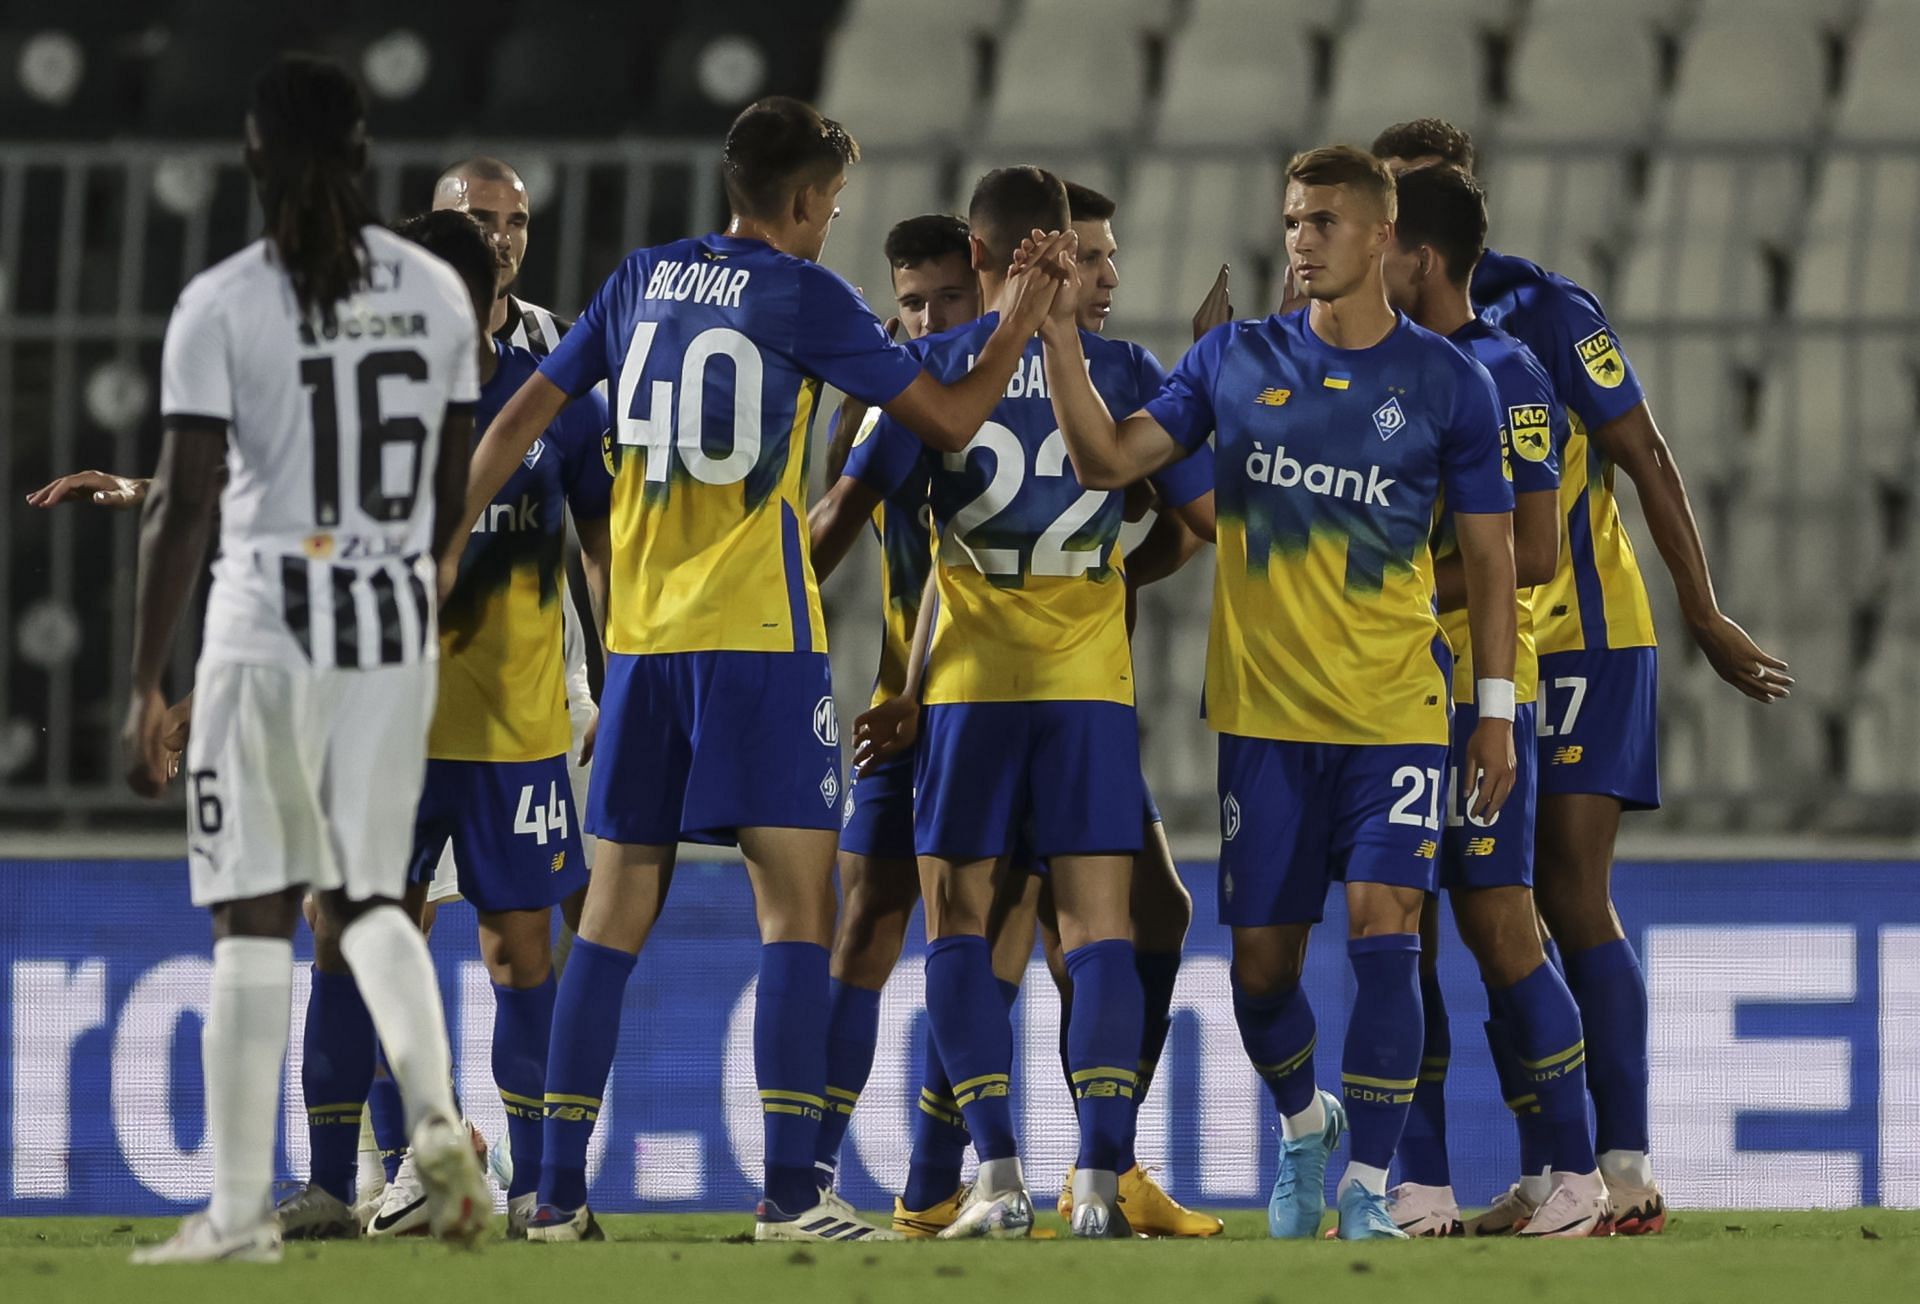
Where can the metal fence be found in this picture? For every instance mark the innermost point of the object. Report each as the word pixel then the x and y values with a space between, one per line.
pixel 1783 375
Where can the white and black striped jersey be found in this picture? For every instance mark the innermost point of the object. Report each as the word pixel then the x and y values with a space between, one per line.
pixel 332 436
pixel 533 328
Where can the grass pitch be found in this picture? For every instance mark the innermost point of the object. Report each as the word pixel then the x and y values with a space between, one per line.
pixel 1704 1256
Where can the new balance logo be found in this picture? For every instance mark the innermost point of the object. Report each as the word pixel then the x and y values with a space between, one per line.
pixel 1480 847
pixel 1569 755
pixel 1276 468
pixel 559 862
pixel 1427 850
pixel 1273 397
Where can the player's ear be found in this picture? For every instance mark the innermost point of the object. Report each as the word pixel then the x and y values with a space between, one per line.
pixel 977 256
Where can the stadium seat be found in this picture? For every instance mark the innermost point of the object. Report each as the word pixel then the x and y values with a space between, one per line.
pixel 878 194
pixel 1180 221
pixel 1880 100
pixel 1837 404
pixel 1654 13
pixel 1698 381
pixel 864 86
pixel 1863 265
pixel 559 72
pixel 923 15
pixel 1235 83
pixel 1554 207
pixel 1780 94
pixel 1755 195
pixel 1134 15
pixel 1693 278
pixel 1387 71
pixel 1584 77
pixel 1098 169
pixel 1061 81
pixel 1482 13
pixel 1824 12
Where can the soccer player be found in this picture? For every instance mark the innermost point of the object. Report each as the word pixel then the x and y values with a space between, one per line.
pixel 496 786
pixel 1598 668
pixel 1029 721
pixel 718 717
pixel 1487 865
pixel 492 193
pixel 313 689
pixel 1336 430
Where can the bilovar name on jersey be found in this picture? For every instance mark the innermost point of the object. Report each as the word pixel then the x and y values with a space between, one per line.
pixel 715 284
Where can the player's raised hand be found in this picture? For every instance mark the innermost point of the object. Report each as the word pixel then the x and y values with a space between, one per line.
pixel 98 487
pixel 1034 282
pixel 1736 658
pixel 885 731
pixel 174 734
pixel 143 742
pixel 1490 768
pixel 1217 308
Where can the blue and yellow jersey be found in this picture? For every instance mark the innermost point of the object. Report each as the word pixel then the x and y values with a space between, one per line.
pixel 716 349
pixel 1533 429
pixel 1329 468
pixel 1032 604
pixel 906 555
pixel 1597 598
pixel 503 668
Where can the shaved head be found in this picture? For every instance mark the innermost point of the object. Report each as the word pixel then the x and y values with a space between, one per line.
pixel 492 194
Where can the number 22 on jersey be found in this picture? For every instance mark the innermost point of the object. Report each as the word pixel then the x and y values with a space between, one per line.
pixel 1051 556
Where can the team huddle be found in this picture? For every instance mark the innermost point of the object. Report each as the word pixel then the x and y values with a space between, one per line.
pixel 1430 665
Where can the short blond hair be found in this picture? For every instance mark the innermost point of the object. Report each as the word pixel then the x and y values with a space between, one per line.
pixel 1345 165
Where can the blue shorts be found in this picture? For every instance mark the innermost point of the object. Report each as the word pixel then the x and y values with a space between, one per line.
pixel 1295 817
pixel 1068 771
pixel 694 746
pixel 515 833
pixel 1022 854
pixel 1498 853
pixel 878 818
pixel 1598 727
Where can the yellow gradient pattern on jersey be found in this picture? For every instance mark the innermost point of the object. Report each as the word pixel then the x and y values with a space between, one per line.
pixel 1586 487
pixel 1053 638
pixel 899 609
pixel 1526 659
pixel 503 696
pixel 698 569
pixel 1296 655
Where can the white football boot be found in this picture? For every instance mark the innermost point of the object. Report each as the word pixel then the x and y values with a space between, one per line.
pixel 459 1201
pixel 1425 1210
pixel 403 1206
pixel 199 1241
pixel 1510 1212
pixel 832 1219
pixel 1575 1208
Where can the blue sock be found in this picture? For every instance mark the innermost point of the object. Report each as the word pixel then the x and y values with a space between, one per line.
pixel 853 1030
pixel 388 1114
pixel 1553 1057
pixel 522 1031
pixel 1423 1145
pixel 939 1136
pixel 975 1039
pixel 1381 1064
pixel 790 1066
pixel 1157 971
pixel 1105 1050
pixel 1279 1034
pixel 586 1031
pixel 335 1075
pixel 1514 1089
pixel 1612 994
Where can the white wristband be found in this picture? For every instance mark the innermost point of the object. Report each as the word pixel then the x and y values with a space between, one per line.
pixel 1494 698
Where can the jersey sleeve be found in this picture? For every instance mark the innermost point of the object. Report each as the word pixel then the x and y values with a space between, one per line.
pixel 463 385
pixel 837 338
pixel 1184 405
pixel 579 361
pixel 585 474
pixel 1472 462
pixel 195 378
pixel 1592 372
pixel 886 455
pixel 1189 478
pixel 1535 421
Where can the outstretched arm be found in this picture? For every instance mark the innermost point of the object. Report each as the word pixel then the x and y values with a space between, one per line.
pixel 1637 447
pixel 173 539
pixel 102 488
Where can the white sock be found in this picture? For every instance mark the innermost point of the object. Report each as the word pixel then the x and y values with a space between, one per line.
pixel 1627 1167
pixel 1374 1179
pixel 1535 1186
pixel 1311 1121
pixel 243 1050
pixel 389 960
pixel 999 1176
pixel 372 1174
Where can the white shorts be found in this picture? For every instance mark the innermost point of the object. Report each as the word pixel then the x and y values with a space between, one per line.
pixel 301 776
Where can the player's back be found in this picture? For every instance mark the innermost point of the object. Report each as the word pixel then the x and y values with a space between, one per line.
pixel 1032 601
pixel 717 348
pixel 332 435
pixel 1598 599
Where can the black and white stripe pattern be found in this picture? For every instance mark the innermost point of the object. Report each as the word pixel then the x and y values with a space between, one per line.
pixel 531 327
pixel 837 1229
pixel 358 618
